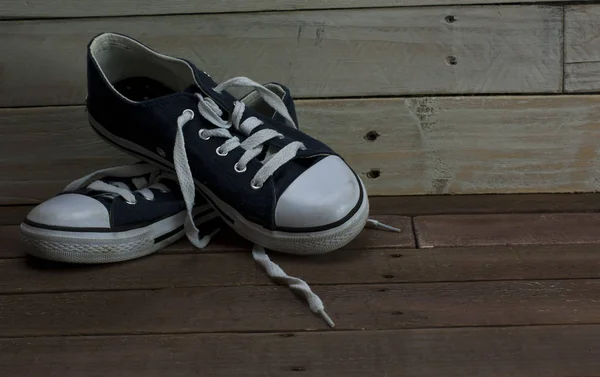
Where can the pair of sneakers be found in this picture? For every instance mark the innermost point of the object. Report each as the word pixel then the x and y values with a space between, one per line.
pixel 209 159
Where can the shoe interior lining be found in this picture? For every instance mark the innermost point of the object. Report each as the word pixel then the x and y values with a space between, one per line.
pixel 122 59
pixel 142 88
pixel 256 102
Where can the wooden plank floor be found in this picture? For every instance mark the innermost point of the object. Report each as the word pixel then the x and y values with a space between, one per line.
pixel 494 285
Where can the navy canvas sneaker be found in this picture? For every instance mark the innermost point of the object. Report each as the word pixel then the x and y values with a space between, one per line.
pixel 123 212
pixel 113 215
pixel 273 184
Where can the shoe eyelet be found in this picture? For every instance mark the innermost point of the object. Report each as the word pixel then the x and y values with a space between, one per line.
pixel 160 152
pixel 220 153
pixel 189 112
pixel 254 185
pixel 201 133
pixel 237 168
pixel 165 191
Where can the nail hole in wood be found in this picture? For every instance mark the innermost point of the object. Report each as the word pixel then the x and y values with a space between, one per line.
pixel 287 335
pixel 397 313
pixel 371 136
pixel 382 290
pixel 451 60
pixel 374 173
pixel 450 19
pixel 298 369
pixel 396 255
pixel 388 276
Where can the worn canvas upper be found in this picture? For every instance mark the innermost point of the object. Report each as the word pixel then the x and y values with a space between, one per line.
pixel 152 125
pixel 84 206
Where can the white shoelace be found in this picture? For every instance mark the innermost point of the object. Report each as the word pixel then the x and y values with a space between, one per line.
pixel 96 181
pixel 253 146
pixel 298 285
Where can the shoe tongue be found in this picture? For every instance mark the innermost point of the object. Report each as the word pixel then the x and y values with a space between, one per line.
pixel 267 152
pixel 107 197
pixel 193 88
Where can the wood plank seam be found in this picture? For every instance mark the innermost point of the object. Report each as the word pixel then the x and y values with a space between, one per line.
pixel 286 333
pixel 298 332
pixel 423 205
pixel 382 285
pixel 562 52
pixel 34 9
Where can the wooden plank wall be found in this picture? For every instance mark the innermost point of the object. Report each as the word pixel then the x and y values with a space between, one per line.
pixel 421 96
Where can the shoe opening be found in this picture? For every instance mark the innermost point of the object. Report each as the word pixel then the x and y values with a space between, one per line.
pixel 121 58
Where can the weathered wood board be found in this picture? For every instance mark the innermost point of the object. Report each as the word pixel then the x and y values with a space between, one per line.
pixel 411 205
pixel 582 77
pixel 508 229
pixel 361 52
pixel 275 308
pixel 458 352
pixel 430 145
pixel 582 48
pixel 367 266
pixel 581 33
pixel 90 8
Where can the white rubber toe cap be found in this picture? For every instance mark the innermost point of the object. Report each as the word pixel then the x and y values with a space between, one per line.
pixel 71 210
pixel 322 195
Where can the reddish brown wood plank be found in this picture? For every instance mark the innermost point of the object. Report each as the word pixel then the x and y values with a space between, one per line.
pixel 263 308
pixel 507 229
pixel 482 204
pixel 344 267
pixel 227 240
pixel 12 215
pixel 557 351
pixel 10 244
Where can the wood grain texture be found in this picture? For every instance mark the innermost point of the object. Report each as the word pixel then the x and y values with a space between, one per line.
pixel 432 145
pixel 582 48
pixel 56 145
pixel 466 145
pixel 581 33
pixel 12 215
pixel 500 49
pixel 582 77
pixel 88 8
pixel 273 308
pixel 10 244
pixel 507 229
pixel 228 241
pixel 342 267
pixel 480 204
pixel 517 351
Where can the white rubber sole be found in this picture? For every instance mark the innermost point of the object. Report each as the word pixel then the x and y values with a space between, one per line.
pixel 104 247
pixel 319 242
